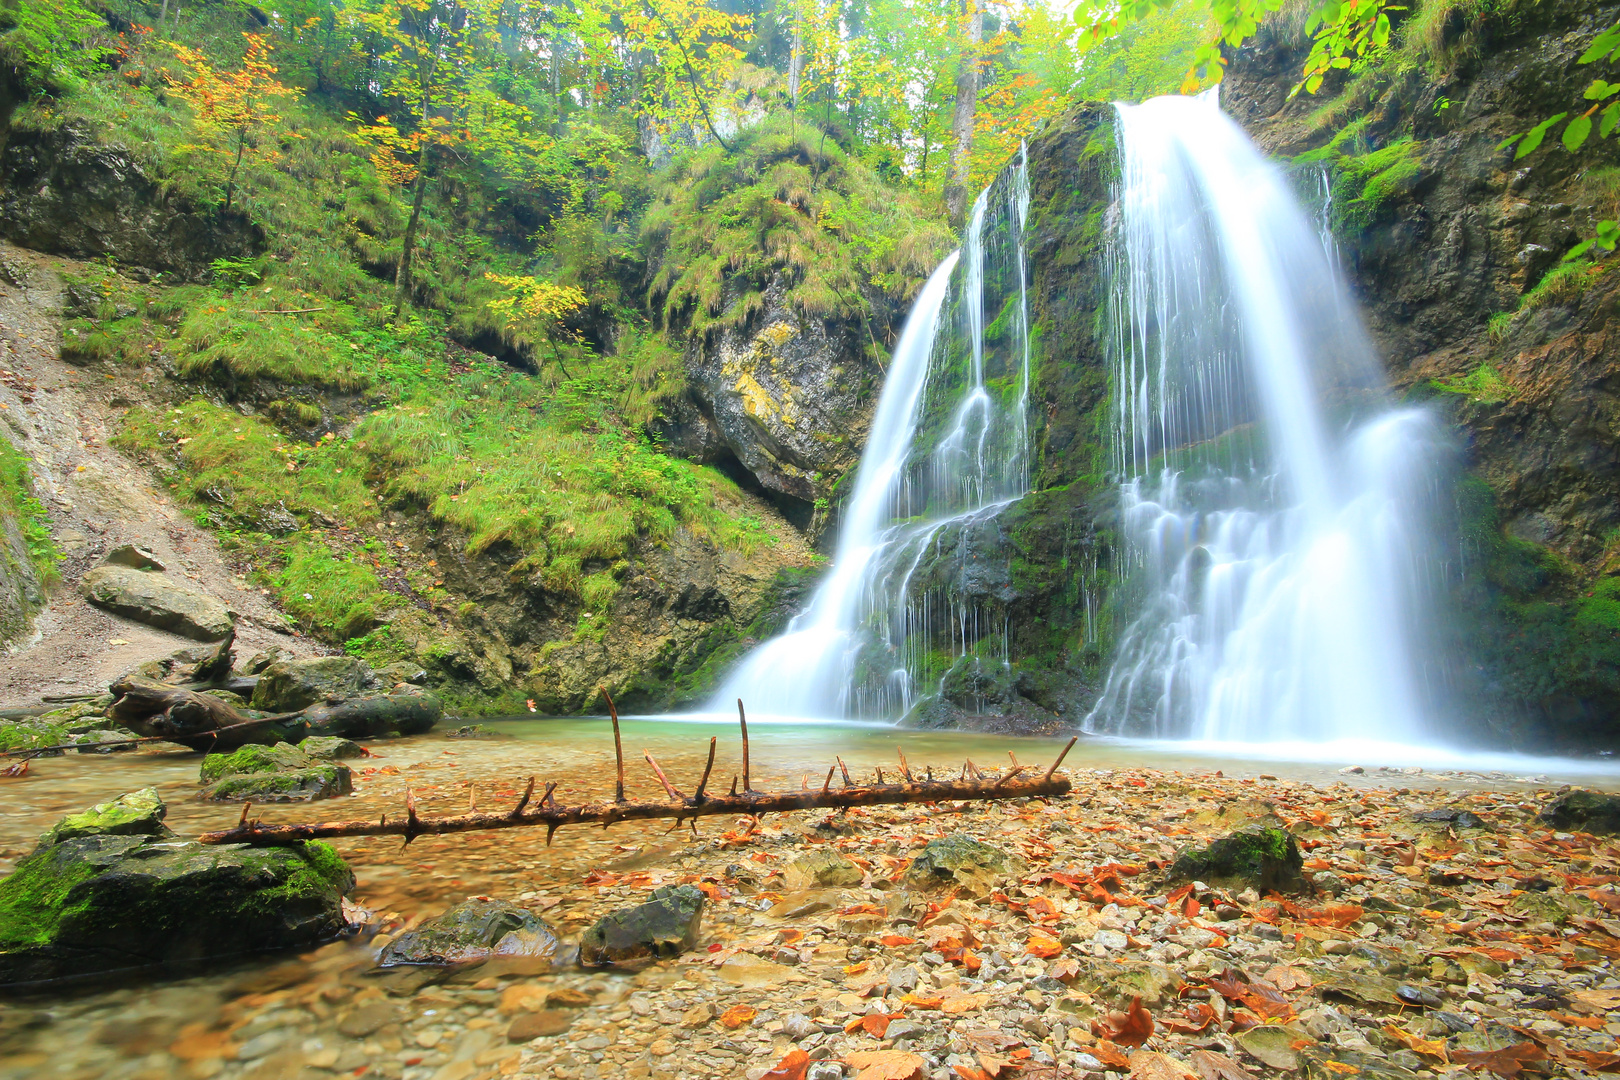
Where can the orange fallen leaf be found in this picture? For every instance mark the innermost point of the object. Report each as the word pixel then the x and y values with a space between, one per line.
pixel 968 1072
pixel 875 1024
pixel 1110 1055
pixel 1213 1066
pixel 1435 1048
pixel 197 1043
pixel 856 969
pixel 792 1067
pixel 918 1001
pixel 1044 947
pixel 1147 1065
pixel 791 936
pixel 1509 1062
pixel 891 941
pixel 886 1065
pixel 1133 1027
pixel 1065 970
pixel 738 1015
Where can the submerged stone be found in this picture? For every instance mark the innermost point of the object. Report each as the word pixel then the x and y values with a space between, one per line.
pixel 473 931
pixel 961 861
pixel 1584 811
pixel 1262 858
pixel 110 898
pixel 820 868
pixel 666 926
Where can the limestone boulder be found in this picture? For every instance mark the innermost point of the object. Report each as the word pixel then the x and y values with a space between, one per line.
pixel 959 861
pixel 158 600
pixel 290 685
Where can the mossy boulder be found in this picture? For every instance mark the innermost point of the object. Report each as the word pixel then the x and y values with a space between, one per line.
pixel 1259 857
pixel 474 931
pixel 959 861
pixel 137 813
pixel 665 926
pixel 96 897
pixel 820 868
pixel 331 748
pixel 1584 811
pixel 290 685
pixel 280 773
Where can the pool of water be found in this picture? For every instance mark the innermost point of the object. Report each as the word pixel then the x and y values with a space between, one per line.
pixel 147 1030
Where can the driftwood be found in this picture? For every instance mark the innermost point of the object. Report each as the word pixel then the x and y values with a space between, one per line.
pixel 972 784
pixel 176 714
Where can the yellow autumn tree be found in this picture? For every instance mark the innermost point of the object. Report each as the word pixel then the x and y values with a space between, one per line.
pixel 232 108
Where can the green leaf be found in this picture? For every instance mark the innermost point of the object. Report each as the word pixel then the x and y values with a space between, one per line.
pixel 1599 90
pixel 1533 137
pixel 1575 134
pixel 1608 234
pixel 1610 116
pixel 1602 45
pixel 1579 249
pixel 1509 141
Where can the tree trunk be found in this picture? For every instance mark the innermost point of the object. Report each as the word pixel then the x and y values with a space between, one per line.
pixel 230 181
pixel 402 279
pixel 967 99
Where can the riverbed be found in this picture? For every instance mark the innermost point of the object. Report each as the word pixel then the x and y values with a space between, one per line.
pixel 286 1016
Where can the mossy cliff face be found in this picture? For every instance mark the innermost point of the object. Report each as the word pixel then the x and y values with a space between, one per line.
pixel 1454 250
pixel 1043 564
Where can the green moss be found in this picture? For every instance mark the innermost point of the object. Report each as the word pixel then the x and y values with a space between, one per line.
pixel 1265 858
pixel 33 899
pixel 251 759
pixel 20 506
pixel 1482 385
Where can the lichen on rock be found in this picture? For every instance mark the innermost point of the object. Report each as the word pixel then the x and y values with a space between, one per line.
pixel 1260 857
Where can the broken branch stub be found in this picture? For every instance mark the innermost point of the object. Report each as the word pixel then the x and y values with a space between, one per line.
pixel 1013 785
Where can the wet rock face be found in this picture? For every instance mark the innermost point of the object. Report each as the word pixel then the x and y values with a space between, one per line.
pixel 471 932
pixel 62 193
pixel 21 593
pixel 1258 857
pixel 665 926
pixel 1585 811
pixel 158 600
pixel 791 397
pixel 101 901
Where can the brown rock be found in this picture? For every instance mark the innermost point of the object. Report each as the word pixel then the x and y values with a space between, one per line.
pixel 535 1024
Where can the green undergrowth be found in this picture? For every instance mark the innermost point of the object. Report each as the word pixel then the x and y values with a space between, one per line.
pixel 20 506
pixel 789 200
pixel 1564 284
pixel 1484 385
pixel 1366 178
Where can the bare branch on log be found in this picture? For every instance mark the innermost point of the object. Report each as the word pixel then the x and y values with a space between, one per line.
pixel 742 718
pixel 680 807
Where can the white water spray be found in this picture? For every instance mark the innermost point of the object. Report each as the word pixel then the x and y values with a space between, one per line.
pixel 1277 536
pixel 948 449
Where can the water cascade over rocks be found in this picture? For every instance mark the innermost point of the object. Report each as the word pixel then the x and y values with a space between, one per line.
pixel 948 449
pixel 1278 529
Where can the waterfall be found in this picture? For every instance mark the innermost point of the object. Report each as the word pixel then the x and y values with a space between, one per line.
pixel 1277 535
pixel 947 450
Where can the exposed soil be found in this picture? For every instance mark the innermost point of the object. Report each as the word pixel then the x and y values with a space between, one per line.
pixel 62 416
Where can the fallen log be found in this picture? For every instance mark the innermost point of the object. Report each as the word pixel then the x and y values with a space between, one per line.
pixel 973 785
pixel 175 714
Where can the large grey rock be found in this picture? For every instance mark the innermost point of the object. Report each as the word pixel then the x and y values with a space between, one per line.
pixel 1584 811
pixel 474 930
pixel 1260 857
pixel 280 773
pixel 103 899
pixel 133 557
pixel 959 861
pixel 820 868
pixel 665 926
pixel 289 685
pixel 158 600
pixel 330 748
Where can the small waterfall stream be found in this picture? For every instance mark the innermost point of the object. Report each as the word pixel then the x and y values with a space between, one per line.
pixel 1276 510
pixel 947 450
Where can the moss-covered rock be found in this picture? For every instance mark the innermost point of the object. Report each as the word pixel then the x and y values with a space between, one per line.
pixel 331 748
pixel 90 902
pixel 1265 859
pixel 406 710
pixel 959 861
pixel 473 931
pixel 1584 811
pixel 820 868
pixel 666 926
pixel 280 773
pixel 137 813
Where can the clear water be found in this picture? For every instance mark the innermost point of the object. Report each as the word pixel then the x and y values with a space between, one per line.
pixel 947 451
pixel 1278 514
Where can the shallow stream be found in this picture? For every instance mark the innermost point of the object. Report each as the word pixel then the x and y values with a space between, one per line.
pixel 327 1012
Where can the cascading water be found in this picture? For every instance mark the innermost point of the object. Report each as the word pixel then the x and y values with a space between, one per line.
pixel 948 448
pixel 1277 536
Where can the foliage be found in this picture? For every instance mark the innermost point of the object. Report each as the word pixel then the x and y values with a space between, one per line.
pixel 341 597
pixel 22 508
pixel 55 43
pixel 1483 385
pixel 233 107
